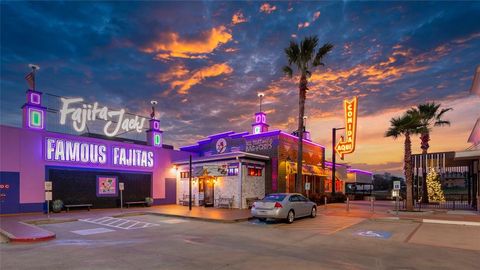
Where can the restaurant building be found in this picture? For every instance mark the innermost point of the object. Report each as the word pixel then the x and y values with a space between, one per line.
pixel 233 168
pixel 83 169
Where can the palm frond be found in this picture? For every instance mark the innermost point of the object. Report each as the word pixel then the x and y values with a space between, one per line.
pixel 293 53
pixel 322 52
pixel 288 71
pixel 441 123
pixel 440 114
pixel 307 47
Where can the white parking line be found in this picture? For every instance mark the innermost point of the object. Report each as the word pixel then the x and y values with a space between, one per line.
pixel 92 231
pixel 120 223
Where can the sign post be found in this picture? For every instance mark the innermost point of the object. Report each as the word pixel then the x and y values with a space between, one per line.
pixel 396 193
pixel 121 187
pixel 48 195
pixel 307 187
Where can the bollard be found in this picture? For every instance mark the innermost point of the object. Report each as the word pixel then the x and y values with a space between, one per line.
pixel 325 199
pixel 372 205
pixel 348 204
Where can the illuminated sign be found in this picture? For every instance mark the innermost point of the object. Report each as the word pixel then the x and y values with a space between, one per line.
pixel 62 150
pixel 347 145
pixel 221 145
pixel 81 114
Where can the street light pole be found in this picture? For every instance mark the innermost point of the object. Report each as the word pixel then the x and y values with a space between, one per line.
pixel 334 142
pixel 190 184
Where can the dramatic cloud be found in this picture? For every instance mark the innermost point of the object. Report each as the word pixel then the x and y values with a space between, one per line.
pixel 212 64
pixel 267 8
pixel 182 80
pixel 238 17
pixel 171 45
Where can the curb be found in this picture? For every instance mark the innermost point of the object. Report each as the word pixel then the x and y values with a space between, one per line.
pixel 12 239
pixel 451 222
pixel 201 218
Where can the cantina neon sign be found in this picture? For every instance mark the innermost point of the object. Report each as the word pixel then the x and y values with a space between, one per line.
pixel 80 114
pixel 62 150
pixel 347 145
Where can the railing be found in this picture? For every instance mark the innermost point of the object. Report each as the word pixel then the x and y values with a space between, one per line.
pixel 452 201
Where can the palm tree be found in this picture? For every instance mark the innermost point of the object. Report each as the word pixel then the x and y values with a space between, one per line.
pixel 406 125
pixel 430 116
pixel 304 57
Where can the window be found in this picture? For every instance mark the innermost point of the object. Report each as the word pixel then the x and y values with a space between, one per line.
pixel 254 172
pixel 232 171
pixel 184 175
pixel 274 198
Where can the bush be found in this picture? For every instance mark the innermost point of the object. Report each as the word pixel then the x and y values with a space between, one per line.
pixel 149 201
pixel 57 206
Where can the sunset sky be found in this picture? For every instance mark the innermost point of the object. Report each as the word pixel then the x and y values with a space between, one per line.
pixel 205 62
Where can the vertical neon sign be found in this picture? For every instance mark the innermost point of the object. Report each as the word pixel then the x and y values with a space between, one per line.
pixel 347 145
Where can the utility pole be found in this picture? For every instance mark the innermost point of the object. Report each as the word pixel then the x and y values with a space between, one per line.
pixel 334 142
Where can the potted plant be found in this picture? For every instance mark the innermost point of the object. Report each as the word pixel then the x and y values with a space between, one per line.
pixel 148 201
pixel 57 206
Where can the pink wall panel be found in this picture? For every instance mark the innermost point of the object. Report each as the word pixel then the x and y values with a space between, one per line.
pixel 22 150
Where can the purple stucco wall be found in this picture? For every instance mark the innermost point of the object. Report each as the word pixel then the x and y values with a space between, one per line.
pixel 22 150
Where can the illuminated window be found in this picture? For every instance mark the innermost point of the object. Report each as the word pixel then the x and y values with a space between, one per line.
pixel 157 139
pixel 254 172
pixel 232 171
pixel 35 118
pixel 184 175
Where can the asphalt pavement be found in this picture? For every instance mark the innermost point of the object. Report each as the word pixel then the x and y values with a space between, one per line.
pixel 156 242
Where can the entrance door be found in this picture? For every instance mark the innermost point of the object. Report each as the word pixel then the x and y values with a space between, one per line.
pixel 209 192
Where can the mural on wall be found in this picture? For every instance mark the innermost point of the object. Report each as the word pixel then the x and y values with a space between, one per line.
pixel 107 186
pixel 210 170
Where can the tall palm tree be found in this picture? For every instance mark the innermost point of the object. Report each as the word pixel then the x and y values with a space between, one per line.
pixel 304 57
pixel 406 125
pixel 430 116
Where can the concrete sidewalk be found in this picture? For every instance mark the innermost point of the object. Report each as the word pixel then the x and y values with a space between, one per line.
pixel 21 227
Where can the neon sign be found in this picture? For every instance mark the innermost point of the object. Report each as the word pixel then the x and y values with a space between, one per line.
pixel 84 113
pixel 62 150
pixel 347 145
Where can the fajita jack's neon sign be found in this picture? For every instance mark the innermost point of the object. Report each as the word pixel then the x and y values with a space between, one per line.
pixel 81 114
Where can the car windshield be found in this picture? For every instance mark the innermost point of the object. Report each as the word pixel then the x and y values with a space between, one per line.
pixel 274 197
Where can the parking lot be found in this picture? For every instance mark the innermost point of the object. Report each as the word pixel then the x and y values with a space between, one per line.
pixel 149 241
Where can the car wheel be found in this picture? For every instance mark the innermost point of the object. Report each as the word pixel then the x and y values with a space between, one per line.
pixel 290 217
pixel 262 219
pixel 313 213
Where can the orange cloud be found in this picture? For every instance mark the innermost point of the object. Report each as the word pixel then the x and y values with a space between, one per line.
pixel 316 15
pixel 267 8
pixel 238 18
pixel 173 46
pixel 303 25
pixel 181 80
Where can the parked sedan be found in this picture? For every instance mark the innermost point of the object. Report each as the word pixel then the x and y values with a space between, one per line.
pixel 286 206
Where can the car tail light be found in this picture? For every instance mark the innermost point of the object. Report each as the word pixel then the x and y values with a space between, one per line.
pixel 278 205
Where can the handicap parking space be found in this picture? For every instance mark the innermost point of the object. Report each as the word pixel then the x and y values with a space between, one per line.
pixel 382 230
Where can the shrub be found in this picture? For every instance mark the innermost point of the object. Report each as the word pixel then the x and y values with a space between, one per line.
pixel 57 206
pixel 149 201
